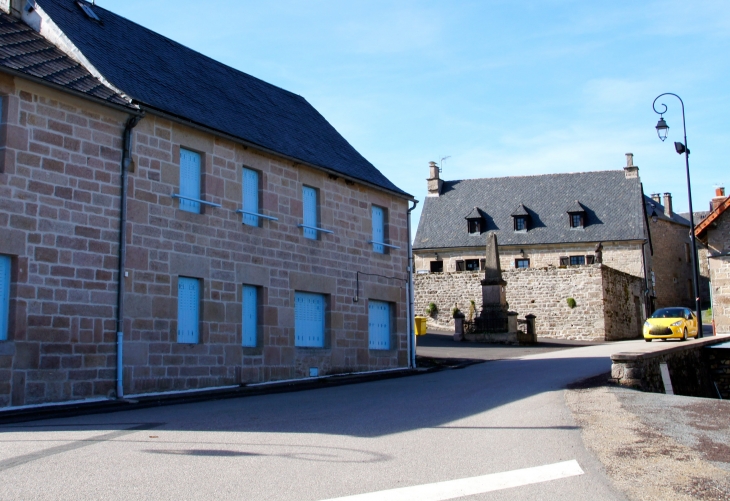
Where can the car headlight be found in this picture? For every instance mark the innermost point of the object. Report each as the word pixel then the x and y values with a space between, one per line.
pixel 677 323
pixel 647 325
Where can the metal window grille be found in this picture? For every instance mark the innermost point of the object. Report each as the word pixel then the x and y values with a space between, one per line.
pixel 249 322
pixel 188 310
pixel 309 310
pixel 378 325
pixel 189 180
pixel 250 197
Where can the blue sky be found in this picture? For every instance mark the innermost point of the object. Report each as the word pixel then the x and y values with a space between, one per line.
pixel 504 88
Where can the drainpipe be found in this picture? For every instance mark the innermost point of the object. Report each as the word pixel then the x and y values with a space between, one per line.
pixel 409 293
pixel 126 159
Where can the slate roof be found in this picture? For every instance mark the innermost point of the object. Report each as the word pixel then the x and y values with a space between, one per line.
pixel 24 51
pixel 611 201
pixel 162 74
pixel 657 209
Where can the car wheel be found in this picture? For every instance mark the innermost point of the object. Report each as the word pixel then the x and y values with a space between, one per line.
pixel 684 334
pixel 647 340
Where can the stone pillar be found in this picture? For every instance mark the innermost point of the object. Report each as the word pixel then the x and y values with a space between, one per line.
pixel 459 326
pixel 531 331
pixel 512 322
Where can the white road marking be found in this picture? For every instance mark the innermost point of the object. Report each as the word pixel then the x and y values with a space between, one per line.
pixel 452 489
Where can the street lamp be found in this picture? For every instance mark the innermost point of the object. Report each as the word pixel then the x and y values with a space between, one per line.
pixel 662 130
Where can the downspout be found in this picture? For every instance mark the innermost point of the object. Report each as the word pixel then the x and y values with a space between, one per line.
pixel 126 159
pixel 409 292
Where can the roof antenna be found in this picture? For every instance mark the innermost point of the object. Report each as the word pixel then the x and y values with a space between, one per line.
pixel 441 163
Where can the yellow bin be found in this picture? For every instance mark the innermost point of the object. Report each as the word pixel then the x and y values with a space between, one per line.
pixel 420 326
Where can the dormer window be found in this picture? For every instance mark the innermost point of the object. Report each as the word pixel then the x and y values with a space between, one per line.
pixel 577 215
pixel 521 218
pixel 475 221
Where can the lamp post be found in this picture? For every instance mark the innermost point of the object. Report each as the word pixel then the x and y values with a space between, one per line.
pixel 662 130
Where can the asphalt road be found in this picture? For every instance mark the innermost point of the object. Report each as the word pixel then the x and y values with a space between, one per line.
pixel 488 418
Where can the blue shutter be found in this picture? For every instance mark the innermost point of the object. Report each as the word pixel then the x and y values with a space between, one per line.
pixel 249 322
pixel 188 306
pixel 250 196
pixel 378 232
pixel 4 296
pixel 189 180
pixel 308 319
pixel 309 207
pixel 378 325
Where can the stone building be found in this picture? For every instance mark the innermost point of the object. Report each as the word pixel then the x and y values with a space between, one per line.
pixel 714 233
pixel 161 231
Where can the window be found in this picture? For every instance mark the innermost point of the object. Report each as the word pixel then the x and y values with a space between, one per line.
pixel 460 266
pixel 520 223
pixel 522 263
pixel 250 197
pixel 249 322
pixel 378 325
pixel 188 310
pixel 590 259
pixel 475 226
pixel 309 312
pixel 378 229
pixel 189 181
pixel 437 266
pixel 309 208
pixel 4 296
pixel 482 264
pixel 576 220
pixel 577 260
pixel 472 265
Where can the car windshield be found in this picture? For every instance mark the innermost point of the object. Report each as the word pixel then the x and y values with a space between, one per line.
pixel 669 313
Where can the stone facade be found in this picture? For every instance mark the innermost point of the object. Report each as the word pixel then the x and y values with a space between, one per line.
pixel 671 266
pixel 608 302
pixel 622 256
pixel 60 198
pixel 718 245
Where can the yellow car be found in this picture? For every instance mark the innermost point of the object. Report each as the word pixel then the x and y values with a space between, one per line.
pixel 666 323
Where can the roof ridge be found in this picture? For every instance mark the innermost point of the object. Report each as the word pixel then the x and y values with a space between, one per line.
pixel 534 175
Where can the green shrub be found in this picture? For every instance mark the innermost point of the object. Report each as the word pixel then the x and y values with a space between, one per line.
pixel 571 302
pixel 431 309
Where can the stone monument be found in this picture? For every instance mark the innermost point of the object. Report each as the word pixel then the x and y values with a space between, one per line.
pixel 494 300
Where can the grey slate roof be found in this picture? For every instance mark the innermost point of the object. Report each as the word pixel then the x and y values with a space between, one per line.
pixel 24 51
pixel 657 209
pixel 162 74
pixel 611 201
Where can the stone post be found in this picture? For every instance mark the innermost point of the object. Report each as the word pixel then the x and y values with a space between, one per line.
pixel 531 332
pixel 512 322
pixel 459 326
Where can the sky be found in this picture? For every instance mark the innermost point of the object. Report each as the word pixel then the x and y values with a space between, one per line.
pixel 501 88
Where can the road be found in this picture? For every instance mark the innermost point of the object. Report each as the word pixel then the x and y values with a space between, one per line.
pixel 339 442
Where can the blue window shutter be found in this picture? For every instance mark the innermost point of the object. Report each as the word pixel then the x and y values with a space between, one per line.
pixel 250 196
pixel 188 310
pixel 4 296
pixel 378 231
pixel 378 325
pixel 249 322
pixel 309 207
pixel 189 180
pixel 309 319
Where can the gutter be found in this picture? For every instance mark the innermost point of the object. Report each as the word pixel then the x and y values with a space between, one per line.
pixel 238 140
pixel 126 159
pixel 410 293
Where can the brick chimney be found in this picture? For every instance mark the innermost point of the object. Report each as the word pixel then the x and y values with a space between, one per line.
pixel 631 170
pixel 668 204
pixel 657 197
pixel 434 183
pixel 719 197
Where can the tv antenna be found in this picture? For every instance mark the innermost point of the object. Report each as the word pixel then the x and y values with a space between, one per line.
pixel 441 163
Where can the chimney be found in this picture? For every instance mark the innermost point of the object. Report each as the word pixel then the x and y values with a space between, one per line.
pixel 434 183
pixel 631 170
pixel 657 197
pixel 719 197
pixel 668 204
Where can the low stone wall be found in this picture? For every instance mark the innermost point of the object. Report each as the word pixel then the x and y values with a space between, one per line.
pixel 686 362
pixel 718 363
pixel 605 299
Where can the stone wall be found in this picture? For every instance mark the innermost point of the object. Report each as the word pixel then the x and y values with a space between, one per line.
pixel 672 264
pixel 59 223
pixel 600 293
pixel 718 244
pixel 623 256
